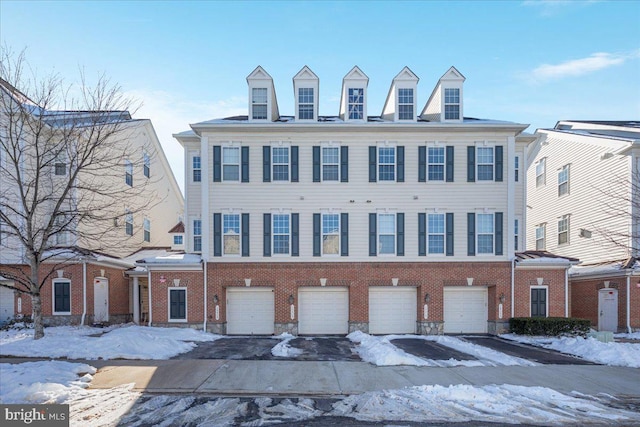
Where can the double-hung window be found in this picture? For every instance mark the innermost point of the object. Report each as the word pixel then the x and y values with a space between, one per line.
pixel 177 304
pixel 330 163
pixel 451 104
pixel 280 163
pixel 61 296
pixel 259 103
pixel 485 226
pixel 563 230
pixel 197 235
pixel 436 233
pixel 61 230
pixel 541 243
pixel 516 160
pixel 146 167
pixel 387 234
pixel 541 172
pixel 516 233
pixel 197 168
pixel 231 163
pixel 231 234
pixel 128 223
pixel 563 180
pixel 330 234
pixel 146 225
pixel 305 103
pixel 435 163
pixel 281 234
pixel 356 103
pixel 485 163
pixel 405 104
pixel 386 163
pixel 60 165
pixel 128 173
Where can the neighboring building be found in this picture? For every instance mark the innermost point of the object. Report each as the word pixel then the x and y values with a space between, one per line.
pixel 407 222
pixel 77 262
pixel 583 194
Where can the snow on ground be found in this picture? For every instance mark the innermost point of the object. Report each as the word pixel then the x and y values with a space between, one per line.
pixel 128 342
pixel 40 382
pixel 631 336
pixel 611 353
pixel 380 351
pixel 283 349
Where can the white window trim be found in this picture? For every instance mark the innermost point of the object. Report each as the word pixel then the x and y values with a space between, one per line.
pixel 239 234
pixel 546 287
pixel 445 104
pixel 181 236
pixel 395 234
pixel 273 233
pixel 186 304
pixel 223 163
pixel 312 104
pixel 543 174
pixel 444 235
pixel 193 168
pixel 336 146
pixel 128 171
pixel 444 163
pixel 322 234
pixel 61 158
pixel 493 234
pixel 146 228
pixel 280 144
pixel 568 220
pixel 562 169
pixel 128 219
pixel 146 164
pixel 267 103
pixel 485 144
pixel 516 234
pixel 194 235
pixel 516 169
pixel 53 297
pixel 364 103
pixel 387 144
pixel 413 104
pixel 544 236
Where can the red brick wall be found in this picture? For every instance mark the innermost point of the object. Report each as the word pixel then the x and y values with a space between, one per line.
pixel 525 279
pixel 162 281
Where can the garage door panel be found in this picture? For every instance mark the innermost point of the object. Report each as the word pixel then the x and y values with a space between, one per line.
pixel 465 310
pixel 392 310
pixel 250 311
pixel 323 311
pixel 6 304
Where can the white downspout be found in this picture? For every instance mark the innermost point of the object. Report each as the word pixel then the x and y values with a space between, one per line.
pixel 628 304
pixel 513 286
pixel 84 291
pixel 566 292
pixel 149 290
pixel 204 325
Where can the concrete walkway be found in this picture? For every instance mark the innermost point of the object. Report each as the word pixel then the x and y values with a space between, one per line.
pixel 267 377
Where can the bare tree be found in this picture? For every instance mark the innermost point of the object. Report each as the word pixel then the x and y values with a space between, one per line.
pixel 65 163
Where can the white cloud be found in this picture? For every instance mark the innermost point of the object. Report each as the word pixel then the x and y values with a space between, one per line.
pixel 169 114
pixel 555 7
pixel 577 67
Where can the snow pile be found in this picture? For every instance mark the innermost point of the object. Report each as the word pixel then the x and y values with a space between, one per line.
pixel 43 382
pixel 129 342
pixel 611 353
pixel 283 349
pixel 381 351
pixel 629 336
pixel 493 403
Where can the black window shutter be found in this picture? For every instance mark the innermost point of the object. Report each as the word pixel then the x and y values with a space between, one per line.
pixel 471 164
pixel 499 163
pixel 316 163
pixel 498 233
pixel 449 234
pixel 294 163
pixel 372 163
pixel 266 240
pixel 317 238
pixel 400 163
pixel 217 163
pixel 344 234
pixel 266 163
pixel 295 234
pixel 344 164
pixel 373 231
pixel 471 234
pixel 449 163
pixel 422 233
pixel 422 164
pixel 217 234
pixel 245 234
pixel 400 234
pixel 245 164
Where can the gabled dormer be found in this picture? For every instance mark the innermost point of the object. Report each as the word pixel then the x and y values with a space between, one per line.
pixel 306 89
pixel 445 103
pixel 263 105
pixel 353 100
pixel 400 105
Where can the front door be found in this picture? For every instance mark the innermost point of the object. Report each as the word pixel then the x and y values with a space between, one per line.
pixel 608 310
pixel 100 300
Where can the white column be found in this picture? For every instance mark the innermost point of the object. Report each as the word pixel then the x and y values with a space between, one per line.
pixel 207 176
pixel 136 301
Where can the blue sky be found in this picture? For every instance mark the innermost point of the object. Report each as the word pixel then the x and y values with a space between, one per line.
pixel 532 62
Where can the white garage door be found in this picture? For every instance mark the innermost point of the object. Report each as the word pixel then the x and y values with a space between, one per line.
pixel 250 311
pixel 465 310
pixel 392 310
pixel 6 304
pixel 323 311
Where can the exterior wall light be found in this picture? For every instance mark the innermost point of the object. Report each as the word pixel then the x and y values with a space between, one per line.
pixel 291 299
pixel 216 300
pixel 427 298
pixel 501 298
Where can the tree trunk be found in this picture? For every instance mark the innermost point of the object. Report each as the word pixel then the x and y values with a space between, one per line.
pixel 38 327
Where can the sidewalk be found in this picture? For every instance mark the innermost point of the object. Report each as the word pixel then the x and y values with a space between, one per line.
pixel 263 377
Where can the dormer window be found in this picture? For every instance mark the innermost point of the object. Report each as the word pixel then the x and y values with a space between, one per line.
pixel 452 104
pixel 356 103
pixel 259 103
pixel 405 104
pixel 305 103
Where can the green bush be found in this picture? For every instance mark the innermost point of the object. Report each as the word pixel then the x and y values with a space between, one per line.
pixel 549 326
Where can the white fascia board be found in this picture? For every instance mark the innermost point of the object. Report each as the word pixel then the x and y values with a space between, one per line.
pixel 172 267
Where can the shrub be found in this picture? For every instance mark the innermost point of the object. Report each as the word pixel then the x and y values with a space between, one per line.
pixel 550 326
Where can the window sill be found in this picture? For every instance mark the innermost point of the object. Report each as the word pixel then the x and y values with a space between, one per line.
pixel 61 313
pixel 177 320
